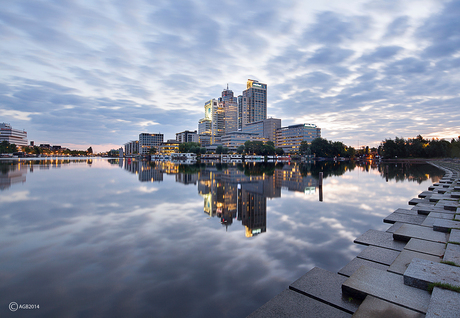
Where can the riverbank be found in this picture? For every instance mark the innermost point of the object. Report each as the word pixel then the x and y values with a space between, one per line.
pixel 392 275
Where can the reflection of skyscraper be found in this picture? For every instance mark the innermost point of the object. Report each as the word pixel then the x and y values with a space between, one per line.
pixel 144 170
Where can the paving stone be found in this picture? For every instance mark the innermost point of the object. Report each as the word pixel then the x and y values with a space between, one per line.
pixel 387 286
pixel 438 197
pixel 394 227
pixel 427 247
pixel 408 231
pixel 405 218
pixel 454 236
pixel 457 188
pixel 418 201
pixel 443 303
pixel 441 215
pixel 443 225
pixel 373 307
pixel 425 194
pixel 426 208
pixel 381 239
pixel 378 254
pixel 421 272
pixel 406 211
pixel 455 195
pixel 452 253
pixel 291 304
pixel 457 217
pixel 356 263
pixel 447 205
pixel 403 260
pixel 326 287
pixel 429 221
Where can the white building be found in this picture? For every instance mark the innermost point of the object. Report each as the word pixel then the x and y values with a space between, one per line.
pixel 131 147
pixel 13 136
pixel 289 138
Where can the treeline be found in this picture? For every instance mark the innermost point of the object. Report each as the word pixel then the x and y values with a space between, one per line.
pixel 6 147
pixel 420 148
pixel 321 147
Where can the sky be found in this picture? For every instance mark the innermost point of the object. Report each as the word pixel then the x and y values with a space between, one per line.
pixel 82 73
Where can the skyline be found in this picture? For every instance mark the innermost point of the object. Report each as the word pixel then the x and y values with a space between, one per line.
pixel 99 74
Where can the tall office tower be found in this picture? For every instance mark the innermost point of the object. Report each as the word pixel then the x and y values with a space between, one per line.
pixel 254 102
pixel 230 105
pixel 215 115
pixel 240 112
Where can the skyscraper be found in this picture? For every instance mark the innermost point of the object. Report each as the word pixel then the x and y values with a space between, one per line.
pixel 254 102
pixel 230 105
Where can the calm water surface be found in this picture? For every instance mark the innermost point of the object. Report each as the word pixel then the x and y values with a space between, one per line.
pixel 112 238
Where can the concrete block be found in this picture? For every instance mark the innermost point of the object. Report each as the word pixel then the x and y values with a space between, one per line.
pixel 408 231
pixel 443 303
pixel 443 225
pixel 417 201
pixel 394 227
pixel 387 286
pixel 421 272
pixel 379 255
pixel 452 253
pixel 403 260
pixel 442 215
pixel 291 304
pixel 455 195
pixel 380 239
pixel 439 197
pixel 426 208
pixel 457 217
pixel 454 236
pixel 429 221
pixel 326 287
pixel 427 247
pixel 373 307
pixel 425 194
pixel 405 218
pixel 356 263
pixel 447 205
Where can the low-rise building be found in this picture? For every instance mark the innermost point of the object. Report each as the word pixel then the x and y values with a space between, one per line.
pixel 169 147
pixel 131 147
pixel 289 138
pixel 13 136
pixel 237 138
pixel 147 141
pixel 187 136
pixel 266 128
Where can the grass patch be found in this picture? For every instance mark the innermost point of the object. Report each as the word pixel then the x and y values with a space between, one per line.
pixel 443 286
pixel 457 243
pixel 450 263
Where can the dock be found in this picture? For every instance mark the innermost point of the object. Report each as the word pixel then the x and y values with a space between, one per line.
pixel 410 270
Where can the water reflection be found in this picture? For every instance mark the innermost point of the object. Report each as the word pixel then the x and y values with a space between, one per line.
pixel 139 239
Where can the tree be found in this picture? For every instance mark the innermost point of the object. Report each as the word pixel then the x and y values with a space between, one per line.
pixel 303 147
pixel 202 150
pixel 240 149
pixel 279 151
pixel 6 147
pixel 89 150
pixel 219 149
pixel 152 150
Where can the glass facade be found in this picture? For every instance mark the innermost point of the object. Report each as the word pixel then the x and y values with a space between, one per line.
pixel 289 138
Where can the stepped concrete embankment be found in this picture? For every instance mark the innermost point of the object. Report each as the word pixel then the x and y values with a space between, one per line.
pixel 390 277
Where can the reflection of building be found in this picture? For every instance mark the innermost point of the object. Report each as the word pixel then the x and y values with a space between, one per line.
pixel 290 178
pixel 145 171
pixel 13 136
pixel 14 174
pixel 289 138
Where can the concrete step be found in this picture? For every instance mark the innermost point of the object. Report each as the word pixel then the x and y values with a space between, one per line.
pixel 379 255
pixel 416 201
pixel 403 260
pixel 380 239
pixel 452 253
pixel 356 263
pixel 408 231
pixel 454 236
pixel 325 286
pixel 447 205
pixel 425 194
pixel 386 286
pixel 426 247
pixel 405 218
pixel 373 307
pixel 421 272
pixel 443 303
pixel 443 225
pixel 289 304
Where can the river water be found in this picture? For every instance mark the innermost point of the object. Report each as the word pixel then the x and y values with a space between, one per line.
pixel 118 238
